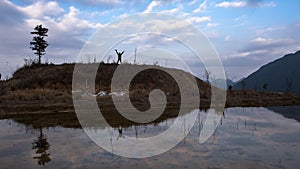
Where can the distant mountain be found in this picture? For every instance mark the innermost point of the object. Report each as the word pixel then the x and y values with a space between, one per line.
pixel 220 83
pixel 280 75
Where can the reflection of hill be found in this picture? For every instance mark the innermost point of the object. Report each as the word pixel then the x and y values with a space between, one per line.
pixel 292 112
pixel 69 119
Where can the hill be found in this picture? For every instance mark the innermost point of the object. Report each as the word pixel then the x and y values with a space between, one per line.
pixel 51 85
pixel 48 89
pixel 280 75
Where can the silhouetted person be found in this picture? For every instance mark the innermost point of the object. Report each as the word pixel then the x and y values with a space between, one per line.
pixel 119 56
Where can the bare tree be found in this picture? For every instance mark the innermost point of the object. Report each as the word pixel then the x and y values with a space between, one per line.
pixel 207 75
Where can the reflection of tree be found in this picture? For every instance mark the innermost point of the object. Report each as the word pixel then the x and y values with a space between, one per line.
pixel 41 146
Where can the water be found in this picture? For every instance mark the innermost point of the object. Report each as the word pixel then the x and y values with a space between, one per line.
pixel 245 138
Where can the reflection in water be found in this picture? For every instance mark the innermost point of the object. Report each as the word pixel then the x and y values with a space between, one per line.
pixel 41 146
pixel 120 130
pixel 247 138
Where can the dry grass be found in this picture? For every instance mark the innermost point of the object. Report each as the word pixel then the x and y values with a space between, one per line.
pixel 42 94
pixel 51 85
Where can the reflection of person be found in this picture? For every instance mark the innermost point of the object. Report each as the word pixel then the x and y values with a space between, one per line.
pixel 120 129
pixel 119 56
pixel 0 76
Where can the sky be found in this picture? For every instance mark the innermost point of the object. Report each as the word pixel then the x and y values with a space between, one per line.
pixel 245 33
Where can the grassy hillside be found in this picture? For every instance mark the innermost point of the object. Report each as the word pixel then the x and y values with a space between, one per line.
pixel 49 88
pixel 53 83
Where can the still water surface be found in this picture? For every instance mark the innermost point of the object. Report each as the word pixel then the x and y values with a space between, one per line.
pixel 245 138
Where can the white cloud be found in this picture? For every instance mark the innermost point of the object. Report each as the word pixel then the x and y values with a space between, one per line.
pixel 102 1
pixel 245 3
pixel 173 10
pixel 192 2
pixel 234 4
pixel 212 34
pixel 237 19
pixel 202 7
pixel 269 41
pixel 42 8
pixel 271 4
pixel 260 44
pixel 227 38
pixel 151 6
pixel 199 19
pixel 66 36
pixel 269 29
pixel 212 25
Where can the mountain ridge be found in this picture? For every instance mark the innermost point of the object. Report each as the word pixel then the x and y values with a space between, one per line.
pixel 276 76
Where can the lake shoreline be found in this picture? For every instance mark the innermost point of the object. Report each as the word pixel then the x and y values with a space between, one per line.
pixel 13 107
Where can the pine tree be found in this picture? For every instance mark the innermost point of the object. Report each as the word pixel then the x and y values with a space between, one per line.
pixel 38 44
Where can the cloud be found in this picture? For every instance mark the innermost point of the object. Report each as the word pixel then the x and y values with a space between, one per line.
pixel 212 25
pixel 237 19
pixel 42 8
pixel 269 30
pixel 260 3
pixel 267 43
pixel 67 33
pixel 192 2
pixel 173 10
pixel 102 2
pixel 233 4
pixel 99 3
pixel 198 20
pixel 9 11
pixel 212 34
pixel 151 6
pixel 246 3
pixel 227 38
pixel 202 7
